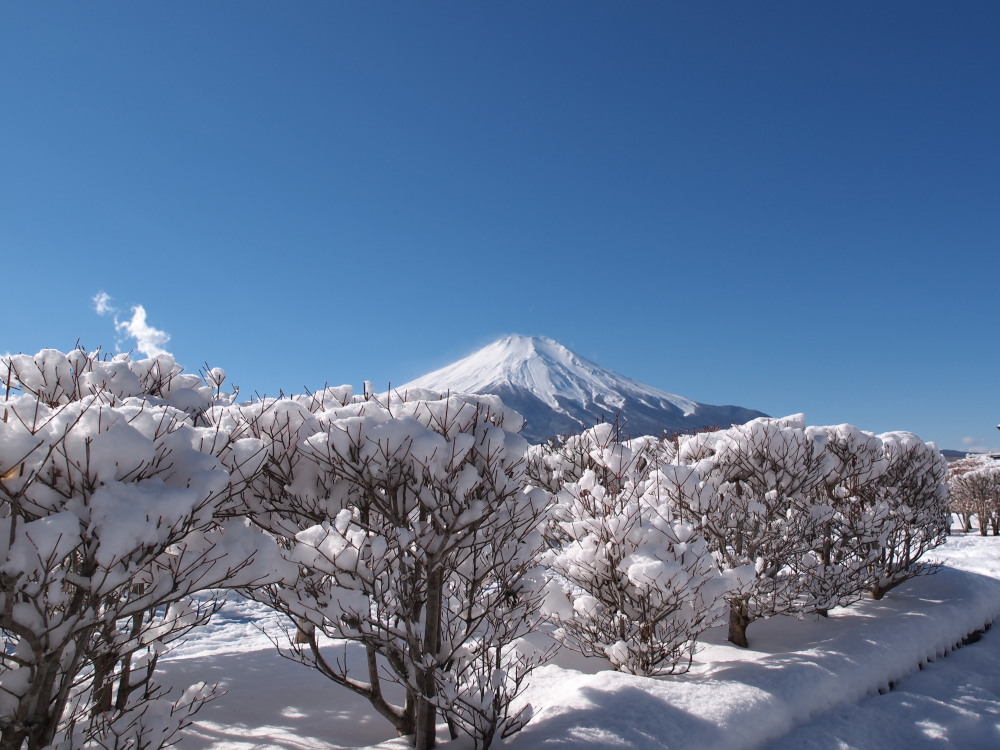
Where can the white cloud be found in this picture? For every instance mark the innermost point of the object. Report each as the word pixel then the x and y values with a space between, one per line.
pixel 148 340
pixel 102 304
pixel 971 440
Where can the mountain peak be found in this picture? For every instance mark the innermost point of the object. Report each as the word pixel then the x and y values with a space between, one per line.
pixel 558 391
pixel 516 347
pixel 540 365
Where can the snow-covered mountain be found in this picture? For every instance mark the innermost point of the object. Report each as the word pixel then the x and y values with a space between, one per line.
pixel 560 392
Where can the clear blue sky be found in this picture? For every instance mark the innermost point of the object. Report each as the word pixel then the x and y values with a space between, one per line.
pixel 788 206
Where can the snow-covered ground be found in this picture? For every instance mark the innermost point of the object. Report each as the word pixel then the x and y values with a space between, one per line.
pixel 814 683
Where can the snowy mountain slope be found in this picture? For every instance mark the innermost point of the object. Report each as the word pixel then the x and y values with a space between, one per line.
pixel 558 391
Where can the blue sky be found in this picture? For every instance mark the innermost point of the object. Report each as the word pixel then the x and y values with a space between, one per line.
pixel 783 205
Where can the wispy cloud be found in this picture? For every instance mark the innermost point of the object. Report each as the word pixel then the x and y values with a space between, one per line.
pixel 102 303
pixel 149 341
pixel 977 445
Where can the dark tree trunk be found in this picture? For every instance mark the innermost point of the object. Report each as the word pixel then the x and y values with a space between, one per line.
pixel 426 724
pixel 739 620
pixel 104 666
pixel 11 739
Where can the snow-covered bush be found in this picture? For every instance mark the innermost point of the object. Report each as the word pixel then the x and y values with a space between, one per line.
pixel 974 485
pixel 798 519
pixel 415 537
pixel 562 460
pixel 558 461
pixel 816 516
pixel 640 586
pixel 839 570
pixel 108 500
pixel 56 378
pixel 756 510
pixel 149 719
pixel 911 498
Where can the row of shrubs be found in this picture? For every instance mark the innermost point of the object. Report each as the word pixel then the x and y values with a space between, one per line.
pixel 657 537
pixel 419 526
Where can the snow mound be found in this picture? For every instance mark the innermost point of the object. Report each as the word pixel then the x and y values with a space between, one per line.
pixel 744 699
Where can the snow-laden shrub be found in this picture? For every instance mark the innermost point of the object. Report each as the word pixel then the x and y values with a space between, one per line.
pixel 640 586
pixel 415 537
pixel 56 378
pixel 108 507
pixel 974 486
pixel 757 512
pixel 839 569
pixel 912 499
pixel 559 461
pixel 818 515
pixel 148 719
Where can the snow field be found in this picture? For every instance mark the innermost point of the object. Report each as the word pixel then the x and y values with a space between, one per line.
pixel 812 683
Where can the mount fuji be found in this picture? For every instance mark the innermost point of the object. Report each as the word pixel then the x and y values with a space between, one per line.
pixel 559 392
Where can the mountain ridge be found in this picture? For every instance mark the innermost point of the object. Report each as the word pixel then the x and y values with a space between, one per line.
pixel 558 391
